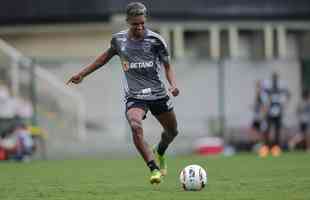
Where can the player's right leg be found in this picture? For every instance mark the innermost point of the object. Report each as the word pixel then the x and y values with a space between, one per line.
pixel 276 148
pixel 255 131
pixel 264 149
pixel 135 116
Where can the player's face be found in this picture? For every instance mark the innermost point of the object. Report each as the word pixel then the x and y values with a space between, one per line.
pixel 137 25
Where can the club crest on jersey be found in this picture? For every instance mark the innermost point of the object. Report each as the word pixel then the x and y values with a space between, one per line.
pixel 146 46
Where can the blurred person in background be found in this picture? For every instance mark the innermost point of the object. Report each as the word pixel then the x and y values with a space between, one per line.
pixel 303 115
pixel 278 97
pixel 7 110
pixel 259 113
pixel 17 144
pixel 143 53
pixel 15 141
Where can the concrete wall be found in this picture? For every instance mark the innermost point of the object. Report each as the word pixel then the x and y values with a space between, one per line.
pixel 60 45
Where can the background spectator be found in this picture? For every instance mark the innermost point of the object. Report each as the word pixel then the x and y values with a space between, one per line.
pixel 303 116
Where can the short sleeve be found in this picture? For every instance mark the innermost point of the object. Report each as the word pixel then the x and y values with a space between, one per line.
pixel 113 47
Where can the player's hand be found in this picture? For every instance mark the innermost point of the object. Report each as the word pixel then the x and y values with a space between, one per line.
pixel 76 79
pixel 174 91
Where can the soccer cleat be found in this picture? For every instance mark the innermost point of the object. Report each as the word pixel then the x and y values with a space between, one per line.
pixel 276 151
pixel 263 151
pixel 162 162
pixel 155 176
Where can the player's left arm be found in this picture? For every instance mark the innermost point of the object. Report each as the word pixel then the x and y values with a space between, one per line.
pixel 170 75
pixel 169 72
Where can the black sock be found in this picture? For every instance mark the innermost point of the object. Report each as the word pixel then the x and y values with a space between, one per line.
pixel 152 165
pixel 161 148
pixel 166 138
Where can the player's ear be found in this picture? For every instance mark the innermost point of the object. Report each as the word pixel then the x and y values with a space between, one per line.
pixel 127 19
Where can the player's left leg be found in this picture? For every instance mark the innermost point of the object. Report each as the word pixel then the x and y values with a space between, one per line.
pixel 169 124
pixel 255 131
pixel 264 150
pixel 276 149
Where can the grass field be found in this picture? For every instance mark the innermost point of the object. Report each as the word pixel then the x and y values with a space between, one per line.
pixel 242 177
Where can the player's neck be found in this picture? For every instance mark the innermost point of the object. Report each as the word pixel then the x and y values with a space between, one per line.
pixel 132 36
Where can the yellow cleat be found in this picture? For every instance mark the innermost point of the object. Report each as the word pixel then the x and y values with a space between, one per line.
pixel 162 162
pixel 155 177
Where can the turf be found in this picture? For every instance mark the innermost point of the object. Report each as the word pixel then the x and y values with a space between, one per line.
pixel 242 177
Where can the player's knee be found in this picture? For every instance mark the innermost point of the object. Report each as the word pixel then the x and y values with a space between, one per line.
pixel 172 133
pixel 135 125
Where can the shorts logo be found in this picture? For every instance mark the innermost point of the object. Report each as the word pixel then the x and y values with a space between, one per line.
pixel 169 104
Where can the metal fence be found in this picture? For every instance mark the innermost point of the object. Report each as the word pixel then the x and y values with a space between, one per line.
pixel 58 110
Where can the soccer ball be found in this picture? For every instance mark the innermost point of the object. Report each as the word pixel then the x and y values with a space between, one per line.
pixel 193 178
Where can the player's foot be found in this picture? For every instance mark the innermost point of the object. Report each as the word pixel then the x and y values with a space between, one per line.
pixel 155 176
pixel 162 162
pixel 276 151
pixel 263 151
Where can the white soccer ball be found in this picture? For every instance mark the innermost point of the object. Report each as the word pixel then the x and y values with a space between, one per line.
pixel 193 178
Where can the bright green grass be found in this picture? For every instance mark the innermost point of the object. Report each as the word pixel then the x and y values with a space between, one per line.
pixel 241 177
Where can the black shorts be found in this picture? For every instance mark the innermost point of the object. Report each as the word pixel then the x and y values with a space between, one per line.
pixel 276 122
pixel 256 124
pixel 156 107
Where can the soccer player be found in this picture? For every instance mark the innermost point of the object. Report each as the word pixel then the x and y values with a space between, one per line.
pixel 142 53
pixel 259 112
pixel 278 97
pixel 303 114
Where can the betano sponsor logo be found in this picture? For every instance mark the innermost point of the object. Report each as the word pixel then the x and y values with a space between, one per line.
pixel 136 65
